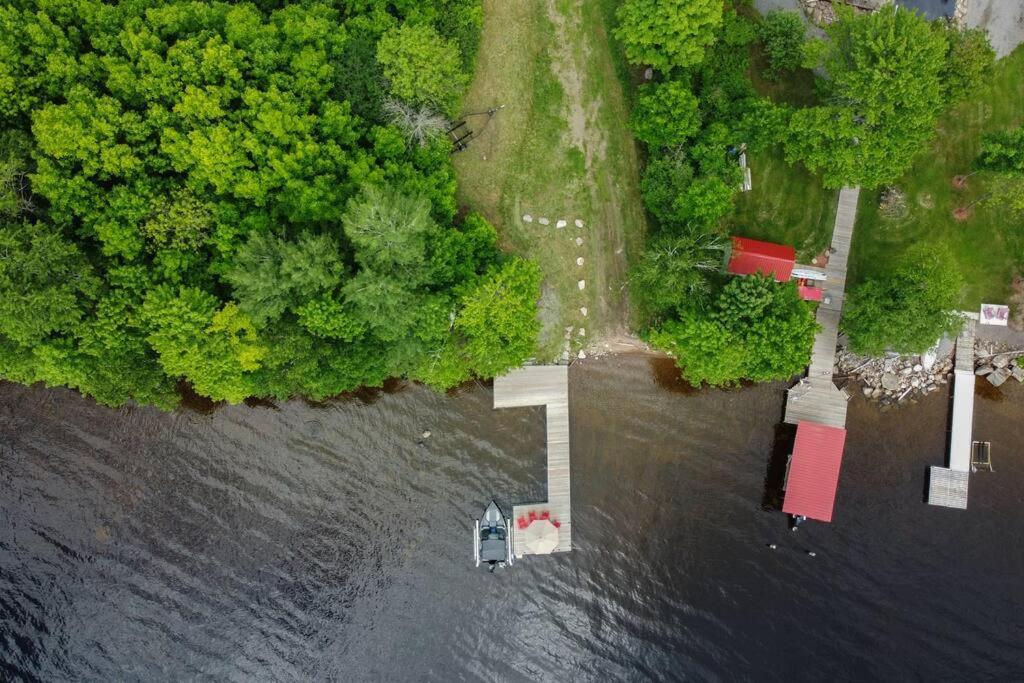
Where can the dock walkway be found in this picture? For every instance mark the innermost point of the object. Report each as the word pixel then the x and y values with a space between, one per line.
pixel 947 486
pixel 546 385
pixel 815 398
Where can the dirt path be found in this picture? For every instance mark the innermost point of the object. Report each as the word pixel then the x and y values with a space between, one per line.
pixel 561 150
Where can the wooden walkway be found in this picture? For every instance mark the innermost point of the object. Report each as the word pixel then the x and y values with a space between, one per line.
pixel 546 385
pixel 948 486
pixel 815 398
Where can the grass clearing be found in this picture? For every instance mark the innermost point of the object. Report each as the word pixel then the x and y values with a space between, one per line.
pixel 559 149
pixel 989 245
pixel 787 204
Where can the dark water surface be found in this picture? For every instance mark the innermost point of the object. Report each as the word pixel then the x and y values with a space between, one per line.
pixel 325 543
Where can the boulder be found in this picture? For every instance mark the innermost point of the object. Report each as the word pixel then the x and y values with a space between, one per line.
pixel 560 224
pixel 998 377
pixel 578 223
pixel 918 368
pixel 984 370
pixel 1000 361
pixel 890 381
pixel 868 391
pixel 1018 373
pixel 527 218
pixel 543 221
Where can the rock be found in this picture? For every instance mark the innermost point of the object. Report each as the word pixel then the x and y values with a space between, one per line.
pixel 998 377
pixel 648 73
pixel 915 382
pixel 579 261
pixel 560 224
pixel 876 393
pixel 918 368
pixel 578 223
pixel 579 241
pixel 583 311
pixel 426 434
pixel 582 284
pixel 582 332
pixel 984 370
pixel 868 391
pixel 582 354
pixel 1018 373
pixel 890 381
pixel 1000 361
pixel 543 221
pixel 906 370
pixel 527 218
pixel 928 360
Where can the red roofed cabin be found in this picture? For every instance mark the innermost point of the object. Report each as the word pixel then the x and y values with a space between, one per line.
pixel 814 471
pixel 754 256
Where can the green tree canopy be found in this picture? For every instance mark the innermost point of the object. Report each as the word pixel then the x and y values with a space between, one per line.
pixel 673 273
pixel 908 310
pixel 782 36
pixel 665 114
pixel 755 329
pixel 969 62
pixel 882 96
pixel 422 67
pixel 667 33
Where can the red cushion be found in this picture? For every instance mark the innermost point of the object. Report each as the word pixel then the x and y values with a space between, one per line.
pixel 545 515
pixel 533 515
pixel 556 523
pixel 523 523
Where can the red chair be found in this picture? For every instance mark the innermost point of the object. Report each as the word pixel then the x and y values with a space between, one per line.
pixel 533 516
pixel 545 515
pixel 522 523
pixel 556 523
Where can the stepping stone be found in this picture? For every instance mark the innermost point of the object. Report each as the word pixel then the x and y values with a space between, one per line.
pixel 582 332
pixel 582 283
pixel 584 311
pixel 560 224
pixel 579 241
pixel 527 218
pixel 543 221
pixel 579 261
pixel 579 223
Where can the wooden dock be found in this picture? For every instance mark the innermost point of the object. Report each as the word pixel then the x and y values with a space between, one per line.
pixel 948 486
pixel 815 398
pixel 546 385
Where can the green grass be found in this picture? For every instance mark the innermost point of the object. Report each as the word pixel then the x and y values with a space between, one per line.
pixel 989 245
pixel 787 204
pixel 560 149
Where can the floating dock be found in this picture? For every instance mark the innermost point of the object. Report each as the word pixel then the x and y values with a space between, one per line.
pixel 546 385
pixel 815 398
pixel 947 486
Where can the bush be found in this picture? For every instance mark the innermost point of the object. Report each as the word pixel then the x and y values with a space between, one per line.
pixel 782 37
pixel 665 114
pixel 667 33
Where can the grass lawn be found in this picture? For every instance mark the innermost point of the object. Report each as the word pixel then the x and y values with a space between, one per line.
pixel 787 204
pixel 559 149
pixel 989 245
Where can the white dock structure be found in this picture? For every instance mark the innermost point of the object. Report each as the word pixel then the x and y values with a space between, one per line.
pixel 947 486
pixel 546 385
pixel 815 398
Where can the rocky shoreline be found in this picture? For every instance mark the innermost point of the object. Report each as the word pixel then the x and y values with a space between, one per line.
pixel 892 379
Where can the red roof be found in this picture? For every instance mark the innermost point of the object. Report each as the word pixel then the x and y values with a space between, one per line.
pixel 814 471
pixel 811 293
pixel 754 256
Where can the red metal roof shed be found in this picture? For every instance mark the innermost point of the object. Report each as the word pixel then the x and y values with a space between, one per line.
pixel 754 256
pixel 814 471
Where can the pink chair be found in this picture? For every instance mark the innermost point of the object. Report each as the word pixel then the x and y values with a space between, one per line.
pixel 522 523
pixel 556 523
pixel 533 516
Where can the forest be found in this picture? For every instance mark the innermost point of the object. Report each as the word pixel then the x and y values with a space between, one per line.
pixel 244 200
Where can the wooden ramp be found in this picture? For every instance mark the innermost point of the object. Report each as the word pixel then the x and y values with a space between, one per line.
pixel 546 385
pixel 815 398
pixel 948 486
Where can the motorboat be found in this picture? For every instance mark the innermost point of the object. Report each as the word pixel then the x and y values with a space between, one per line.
pixel 492 542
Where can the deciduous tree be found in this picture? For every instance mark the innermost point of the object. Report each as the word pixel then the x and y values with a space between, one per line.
pixel 666 34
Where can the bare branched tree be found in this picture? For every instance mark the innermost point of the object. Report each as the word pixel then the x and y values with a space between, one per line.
pixel 420 124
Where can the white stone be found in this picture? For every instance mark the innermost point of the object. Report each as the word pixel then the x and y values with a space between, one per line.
pixel 579 223
pixel 918 368
pixel 582 354
pixel 543 221
pixel 579 241
pixel 527 218
pixel 426 434
pixel 582 284
pixel 560 224
pixel 579 261
pixel 582 332
pixel 584 311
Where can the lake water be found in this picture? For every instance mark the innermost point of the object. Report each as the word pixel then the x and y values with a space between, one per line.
pixel 332 543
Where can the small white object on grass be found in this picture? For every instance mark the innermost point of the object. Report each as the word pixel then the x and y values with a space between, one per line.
pixel 584 311
pixel 579 223
pixel 582 354
pixel 527 218
pixel 543 221
pixel 560 224
pixel 426 434
pixel 579 261
pixel 582 284
pixel 579 241
pixel 582 332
